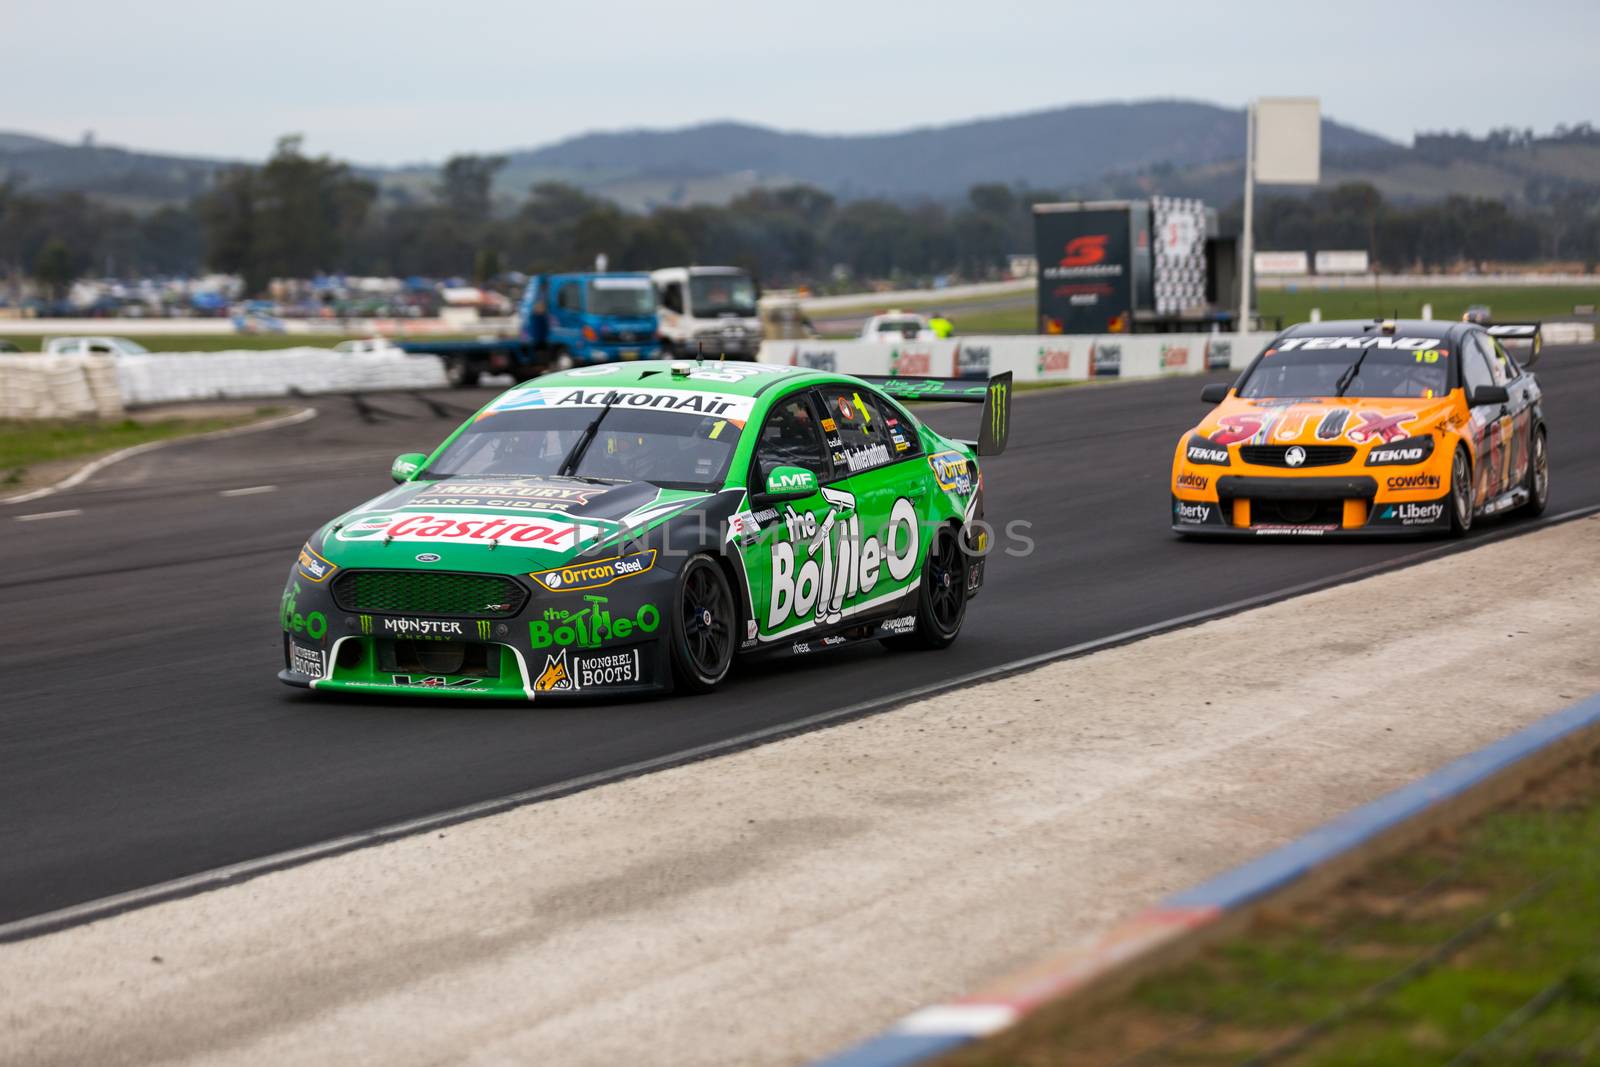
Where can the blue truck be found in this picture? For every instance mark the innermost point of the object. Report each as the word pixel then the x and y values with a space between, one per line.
pixel 564 320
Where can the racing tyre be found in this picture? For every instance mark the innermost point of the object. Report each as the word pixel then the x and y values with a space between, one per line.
pixel 942 597
pixel 1538 474
pixel 1461 492
pixel 703 625
pixel 459 373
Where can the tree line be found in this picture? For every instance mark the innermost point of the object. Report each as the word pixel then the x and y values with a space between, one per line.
pixel 298 215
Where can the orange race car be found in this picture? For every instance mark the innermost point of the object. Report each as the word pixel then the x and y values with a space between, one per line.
pixel 1345 428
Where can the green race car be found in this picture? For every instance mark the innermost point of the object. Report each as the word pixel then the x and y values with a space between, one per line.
pixel 632 526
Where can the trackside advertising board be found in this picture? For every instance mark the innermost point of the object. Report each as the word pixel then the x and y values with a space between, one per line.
pixel 1085 267
pixel 1074 357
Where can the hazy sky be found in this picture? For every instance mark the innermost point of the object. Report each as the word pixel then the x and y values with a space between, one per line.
pixel 403 81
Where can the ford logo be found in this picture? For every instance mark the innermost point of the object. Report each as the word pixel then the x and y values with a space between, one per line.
pixel 428 557
pixel 1295 456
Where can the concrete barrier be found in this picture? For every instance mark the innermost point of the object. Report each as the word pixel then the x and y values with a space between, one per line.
pixel 363 327
pixel 58 387
pixel 1028 358
pixel 65 387
pixel 1059 358
pixel 1568 333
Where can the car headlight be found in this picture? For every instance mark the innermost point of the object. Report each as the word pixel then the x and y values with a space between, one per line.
pixel 1204 451
pixel 1394 453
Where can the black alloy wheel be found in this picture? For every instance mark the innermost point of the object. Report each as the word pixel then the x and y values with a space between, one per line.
pixel 942 595
pixel 703 626
pixel 1538 474
pixel 1461 503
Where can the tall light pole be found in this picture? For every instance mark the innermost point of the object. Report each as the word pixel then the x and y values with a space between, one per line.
pixel 1247 241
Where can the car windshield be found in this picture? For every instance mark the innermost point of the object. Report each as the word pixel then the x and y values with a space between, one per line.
pixel 676 450
pixel 1369 370
pixel 133 348
pixel 899 326
pixel 623 297
pixel 711 295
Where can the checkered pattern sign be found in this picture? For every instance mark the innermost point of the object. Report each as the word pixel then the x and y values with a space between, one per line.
pixel 1180 247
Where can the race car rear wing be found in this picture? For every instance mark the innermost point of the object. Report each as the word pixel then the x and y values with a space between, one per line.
pixel 1522 340
pixel 994 395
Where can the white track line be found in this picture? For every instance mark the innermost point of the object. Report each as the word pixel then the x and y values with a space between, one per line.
pixel 90 469
pixel 249 490
pixel 36 516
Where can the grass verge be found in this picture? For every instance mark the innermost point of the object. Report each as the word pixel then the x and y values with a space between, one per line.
pixel 1480 946
pixel 28 443
pixel 1508 303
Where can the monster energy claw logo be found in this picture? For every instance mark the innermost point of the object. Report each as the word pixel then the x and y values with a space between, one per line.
pixel 997 410
pixel 483 629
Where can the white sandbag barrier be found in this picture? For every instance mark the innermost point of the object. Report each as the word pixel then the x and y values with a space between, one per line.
pixel 58 387
pixel 1568 333
pixel 64 387
pixel 238 375
pixel 1029 359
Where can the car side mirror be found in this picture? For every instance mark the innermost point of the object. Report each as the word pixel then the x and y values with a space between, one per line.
pixel 790 483
pixel 406 465
pixel 1215 393
pixel 1488 395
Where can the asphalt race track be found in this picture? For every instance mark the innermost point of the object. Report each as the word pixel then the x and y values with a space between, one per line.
pixel 144 736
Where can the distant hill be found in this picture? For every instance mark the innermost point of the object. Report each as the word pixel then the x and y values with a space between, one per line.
pixel 1057 148
pixel 1401 174
pixel 1176 147
pixel 118 175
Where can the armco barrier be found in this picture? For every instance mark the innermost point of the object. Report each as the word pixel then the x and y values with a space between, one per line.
pixel 1181 924
pixel 175 376
pixel 1029 359
pixel 58 387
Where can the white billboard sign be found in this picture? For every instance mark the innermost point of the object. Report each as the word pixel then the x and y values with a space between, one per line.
pixel 1282 263
pixel 1288 141
pixel 1352 262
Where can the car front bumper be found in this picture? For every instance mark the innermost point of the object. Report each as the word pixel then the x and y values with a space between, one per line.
pixel 603 642
pixel 1252 506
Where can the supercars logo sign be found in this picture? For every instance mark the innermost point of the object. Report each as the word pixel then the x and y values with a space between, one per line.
pixel 1085 251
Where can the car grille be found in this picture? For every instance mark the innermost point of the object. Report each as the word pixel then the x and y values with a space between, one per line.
pixel 428 593
pixel 1297 512
pixel 1316 455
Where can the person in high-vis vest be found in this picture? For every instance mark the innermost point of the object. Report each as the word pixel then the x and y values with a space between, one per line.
pixel 941 326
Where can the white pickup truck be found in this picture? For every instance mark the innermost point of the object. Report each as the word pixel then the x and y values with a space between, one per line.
pixel 120 347
pixel 896 326
pixel 707 310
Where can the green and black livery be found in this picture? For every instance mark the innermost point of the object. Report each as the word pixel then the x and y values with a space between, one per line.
pixel 635 527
